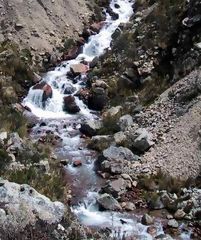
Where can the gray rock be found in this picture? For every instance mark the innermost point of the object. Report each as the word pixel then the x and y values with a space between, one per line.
pixel 120 153
pixel 15 143
pixel 164 237
pixel 169 202
pixel 113 114
pixel 125 121
pixel 147 219
pixel 179 214
pixel 91 127
pixel 142 140
pixel 173 223
pixel 100 142
pixel 43 166
pixel 24 205
pixel 69 88
pixel 115 187
pixel 130 206
pixel 3 136
pixel 107 202
pixel 120 138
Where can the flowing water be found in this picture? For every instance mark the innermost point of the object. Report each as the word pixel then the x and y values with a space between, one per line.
pixel 84 182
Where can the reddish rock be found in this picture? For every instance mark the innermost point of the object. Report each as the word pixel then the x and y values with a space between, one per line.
pixel 47 90
pixel 77 163
pixel 83 94
pixel 96 27
pixel 70 105
pixel 71 54
pixel 81 41
pixel 79 68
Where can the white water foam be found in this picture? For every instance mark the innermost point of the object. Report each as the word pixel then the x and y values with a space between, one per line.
pixel 95 47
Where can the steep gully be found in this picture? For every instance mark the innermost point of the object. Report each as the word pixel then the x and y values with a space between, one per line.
pixel 84 182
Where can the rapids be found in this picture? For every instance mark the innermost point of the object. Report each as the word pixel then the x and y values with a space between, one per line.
pixel 85 183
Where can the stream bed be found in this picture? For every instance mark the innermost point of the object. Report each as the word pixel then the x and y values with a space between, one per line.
pixel 85 184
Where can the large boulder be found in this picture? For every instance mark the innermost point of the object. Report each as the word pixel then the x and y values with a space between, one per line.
pixel 147 219
pixel 96 27
pixel 100 142
pixel 46 88
pixel 115 160
pixel 97 99
pixel 70 105
pixel 77 69
pixel 21 205
pixel 140 139
pixel 69 88
pixel 107 202
pixel 120 153
pixel 116 187
pixel 91 127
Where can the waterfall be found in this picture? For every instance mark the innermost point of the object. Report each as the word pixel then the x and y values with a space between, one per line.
pixel 96 46
pixel 36 97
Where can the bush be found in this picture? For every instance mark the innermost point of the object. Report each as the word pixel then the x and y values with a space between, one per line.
pixel 5 159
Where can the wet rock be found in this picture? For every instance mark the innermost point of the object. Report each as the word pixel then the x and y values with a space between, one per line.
pixel 173 223
pixel 179 214
pixel 77 163
pixel 164 237
pixel 91 127
pixel 64 162
pixel 94 62
pixel 152 231
pixel 120 153
pixel 116 33
pixel 99 143
pixel 69 88
pixel 125 121
pixel 96 27
pixel 97 99
pixel 72 53
pixel 147 219
pixel 107 202
pixel 46 88
pixel 70 105
pixel 78 69
pixel 114 15
pixel 83 94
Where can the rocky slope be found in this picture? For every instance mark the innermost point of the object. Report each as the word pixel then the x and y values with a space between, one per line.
pixel 148 89
pixel 41 25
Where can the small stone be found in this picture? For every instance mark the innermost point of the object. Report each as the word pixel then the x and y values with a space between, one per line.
pixel 77 163
pixel 64 162
pixel 180 214
pixel 152 231
pixel 130 206
pixel 169 216
pixel 147 219
pixel 173 223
